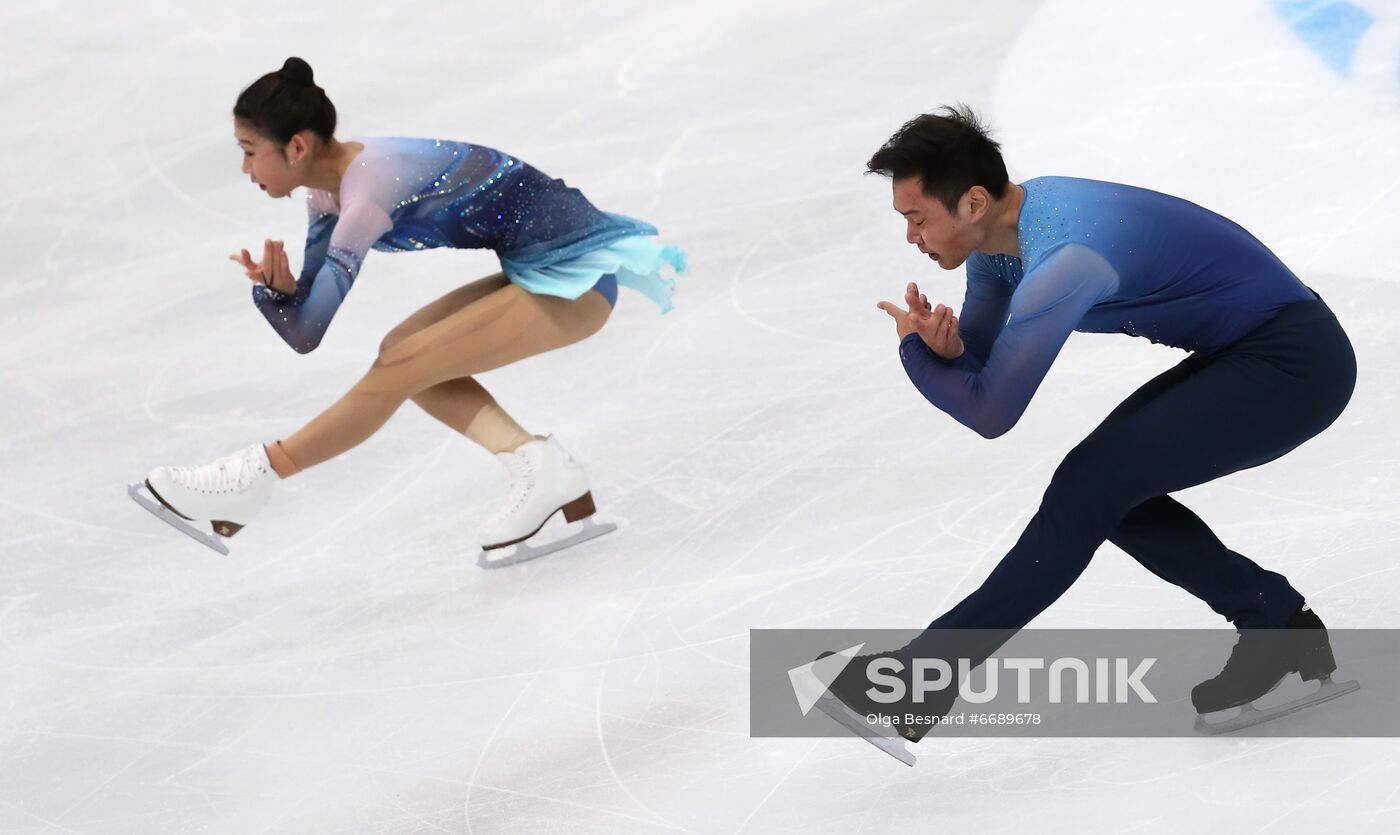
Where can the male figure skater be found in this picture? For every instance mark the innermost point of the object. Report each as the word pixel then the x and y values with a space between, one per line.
pixel 1269 368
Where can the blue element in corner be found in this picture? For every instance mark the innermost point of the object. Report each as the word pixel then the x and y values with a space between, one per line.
pixel 1332 28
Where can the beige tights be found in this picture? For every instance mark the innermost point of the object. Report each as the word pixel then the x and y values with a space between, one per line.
pixel 431 357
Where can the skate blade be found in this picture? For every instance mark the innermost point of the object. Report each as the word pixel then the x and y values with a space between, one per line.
pixel 1250 715
pixel 897 748
pixel 207 538
pixel 526 551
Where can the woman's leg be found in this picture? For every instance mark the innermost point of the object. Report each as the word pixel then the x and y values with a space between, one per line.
pixel 476 328
pixel 434 311
pixel 462 404
pixel 465 406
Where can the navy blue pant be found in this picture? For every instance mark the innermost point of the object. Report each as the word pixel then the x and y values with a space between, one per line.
pixel 1210 416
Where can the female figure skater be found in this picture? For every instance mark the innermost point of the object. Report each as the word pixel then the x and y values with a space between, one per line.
pixel 562 262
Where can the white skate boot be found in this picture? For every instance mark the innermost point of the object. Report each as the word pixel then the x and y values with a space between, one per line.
pixel 227 493
pixel 545 480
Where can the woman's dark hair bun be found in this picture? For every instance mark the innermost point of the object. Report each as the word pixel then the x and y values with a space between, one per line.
pixel 297 71
pixel 285 102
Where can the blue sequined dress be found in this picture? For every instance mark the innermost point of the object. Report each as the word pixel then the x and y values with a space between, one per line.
pixel 402 194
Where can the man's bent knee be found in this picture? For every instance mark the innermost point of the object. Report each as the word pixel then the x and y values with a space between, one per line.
pixel 1093 474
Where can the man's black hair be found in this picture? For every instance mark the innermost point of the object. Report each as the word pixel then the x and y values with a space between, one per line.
pixel 948 150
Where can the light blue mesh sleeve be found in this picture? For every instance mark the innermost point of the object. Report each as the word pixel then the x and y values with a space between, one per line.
pixel 1044 309
pixel 335 248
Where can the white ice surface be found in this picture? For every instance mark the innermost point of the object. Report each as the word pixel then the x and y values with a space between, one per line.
pixel 348 668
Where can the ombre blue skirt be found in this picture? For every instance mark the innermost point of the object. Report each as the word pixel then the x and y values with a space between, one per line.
pixel 619 246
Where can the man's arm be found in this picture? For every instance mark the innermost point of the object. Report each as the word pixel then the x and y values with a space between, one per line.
pixel 1050 301
pixel 983 314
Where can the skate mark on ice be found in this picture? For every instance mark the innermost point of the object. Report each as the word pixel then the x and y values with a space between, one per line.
pixel 641 595
pixel 777 784
pixel 759 323
pixel 180 194
pixel 1328 789
pixel 777 467
pixel 335 530
pixel 684 643
pixel 472 781
pixel 1347 225
pixel 79 523
pixel 28 814
pixel 601 736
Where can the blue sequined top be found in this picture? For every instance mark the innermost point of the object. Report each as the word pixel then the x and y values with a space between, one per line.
pixel 401 194
pixel 1102 258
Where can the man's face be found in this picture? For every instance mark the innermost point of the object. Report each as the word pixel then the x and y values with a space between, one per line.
pixel 943 236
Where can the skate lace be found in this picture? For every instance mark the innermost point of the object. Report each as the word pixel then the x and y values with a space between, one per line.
pixel 522 482
pixel 230 473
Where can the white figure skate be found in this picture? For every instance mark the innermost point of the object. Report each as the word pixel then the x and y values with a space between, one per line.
pixel 226 493
pixel 545 480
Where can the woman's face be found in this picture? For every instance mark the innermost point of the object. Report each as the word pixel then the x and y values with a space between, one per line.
pixel 265 163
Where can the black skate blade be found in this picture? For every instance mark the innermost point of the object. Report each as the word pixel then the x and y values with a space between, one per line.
pixel 529 550
pixel 1250 715
pixel 895 747
pixel 207 538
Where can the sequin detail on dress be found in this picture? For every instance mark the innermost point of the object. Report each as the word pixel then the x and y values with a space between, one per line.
pixel 402 195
